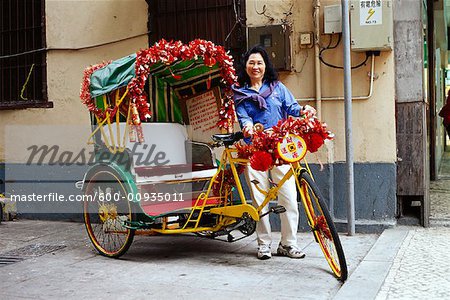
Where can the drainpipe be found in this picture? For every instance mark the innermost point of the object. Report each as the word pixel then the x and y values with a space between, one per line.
pixel 318 99
pixel 348 119
pixel 317 60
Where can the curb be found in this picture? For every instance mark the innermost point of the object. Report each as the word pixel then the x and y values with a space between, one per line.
pixel 365 282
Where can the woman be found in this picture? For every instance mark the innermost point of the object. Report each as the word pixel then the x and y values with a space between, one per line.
pixel 261 98
pixel 445 114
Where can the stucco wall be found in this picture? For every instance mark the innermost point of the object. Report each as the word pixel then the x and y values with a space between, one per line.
pixel 74 25
pixel 374 119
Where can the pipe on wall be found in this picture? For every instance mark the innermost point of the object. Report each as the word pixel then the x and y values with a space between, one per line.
pixel 317 60
pixel 369 94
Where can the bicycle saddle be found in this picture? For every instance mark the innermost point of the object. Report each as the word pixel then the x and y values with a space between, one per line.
pixel 228 139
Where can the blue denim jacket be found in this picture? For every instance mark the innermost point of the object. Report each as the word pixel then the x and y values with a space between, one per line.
pixel 280 104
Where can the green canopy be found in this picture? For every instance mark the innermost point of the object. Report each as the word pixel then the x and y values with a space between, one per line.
pixel 113 76
pixel 166 83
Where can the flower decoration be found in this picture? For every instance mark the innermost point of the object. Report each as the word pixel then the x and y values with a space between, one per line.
pixel 85 92
pixel 261 152
pixel 168 52
pixel 261 161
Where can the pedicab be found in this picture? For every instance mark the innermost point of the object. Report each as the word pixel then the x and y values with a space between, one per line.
pixel 155 170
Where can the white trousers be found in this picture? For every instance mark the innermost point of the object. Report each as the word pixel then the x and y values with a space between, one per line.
pixel 287 197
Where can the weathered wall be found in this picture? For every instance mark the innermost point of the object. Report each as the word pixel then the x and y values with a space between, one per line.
pixel 373 119
pixel 374 134
pixel 411 100
pixel 73 25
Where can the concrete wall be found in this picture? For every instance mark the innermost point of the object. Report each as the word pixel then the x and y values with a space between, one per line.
pixel 71 25
pixel 373 119
pixel 75 24
pixel 374 134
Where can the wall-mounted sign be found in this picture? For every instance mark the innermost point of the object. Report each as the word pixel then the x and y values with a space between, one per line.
pixel 371 12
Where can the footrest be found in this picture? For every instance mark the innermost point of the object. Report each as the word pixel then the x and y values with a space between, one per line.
pixel 278 209
pixel 275 209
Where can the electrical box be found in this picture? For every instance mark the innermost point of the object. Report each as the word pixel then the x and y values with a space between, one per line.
pixel 332 19
pixel 276 39
pixel 371 25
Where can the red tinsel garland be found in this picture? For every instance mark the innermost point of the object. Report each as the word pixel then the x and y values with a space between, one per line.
pixel 169 52
pixel 225 180
pixel 85 91
pixel 308 127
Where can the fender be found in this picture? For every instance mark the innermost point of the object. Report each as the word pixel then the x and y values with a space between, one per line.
pixel 125 176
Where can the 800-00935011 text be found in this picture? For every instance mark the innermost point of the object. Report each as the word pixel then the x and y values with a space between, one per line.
pixel 101 196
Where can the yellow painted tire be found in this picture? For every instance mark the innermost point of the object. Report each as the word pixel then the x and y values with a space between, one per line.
pixel 105 213
pixel 322 225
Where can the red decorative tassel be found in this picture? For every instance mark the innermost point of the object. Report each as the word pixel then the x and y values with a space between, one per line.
pixel 261 161
pixel 208 81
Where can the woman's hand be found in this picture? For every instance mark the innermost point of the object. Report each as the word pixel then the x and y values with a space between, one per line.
pixel 308 111
pixel 248 130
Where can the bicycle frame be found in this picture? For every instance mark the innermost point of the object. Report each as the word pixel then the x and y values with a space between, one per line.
pixel 239 210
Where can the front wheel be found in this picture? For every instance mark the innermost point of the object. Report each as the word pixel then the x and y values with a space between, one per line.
pixel 106 211
pixel 322 225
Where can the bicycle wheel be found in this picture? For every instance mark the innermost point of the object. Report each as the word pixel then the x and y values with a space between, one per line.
pixel 105 212
pixel 322 225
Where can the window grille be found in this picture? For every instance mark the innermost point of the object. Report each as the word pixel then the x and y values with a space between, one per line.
pixel 22 54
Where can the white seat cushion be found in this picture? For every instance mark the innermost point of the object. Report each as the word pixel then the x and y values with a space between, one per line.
pixel 165 145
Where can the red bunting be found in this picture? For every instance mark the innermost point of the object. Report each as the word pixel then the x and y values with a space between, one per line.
pixel 168 52
pixel 308 127
pixel 261 161
pixel 85 91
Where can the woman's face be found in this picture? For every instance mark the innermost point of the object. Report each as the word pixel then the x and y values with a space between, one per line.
pixel 255 67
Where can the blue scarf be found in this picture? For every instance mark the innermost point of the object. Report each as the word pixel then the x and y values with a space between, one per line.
pixel 240 96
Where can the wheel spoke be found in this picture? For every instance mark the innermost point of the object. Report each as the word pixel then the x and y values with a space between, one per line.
pixel 322 225
pixel 106 231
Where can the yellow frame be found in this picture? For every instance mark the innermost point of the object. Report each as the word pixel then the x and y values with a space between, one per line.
pixel 110 141
pixel 227 213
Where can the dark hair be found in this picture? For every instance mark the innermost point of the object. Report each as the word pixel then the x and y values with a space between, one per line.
pixel 270 74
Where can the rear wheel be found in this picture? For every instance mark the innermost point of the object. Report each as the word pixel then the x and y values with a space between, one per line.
pixel 106 211
pixel 322 225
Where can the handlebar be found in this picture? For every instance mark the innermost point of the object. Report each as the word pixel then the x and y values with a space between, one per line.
pixel 227 139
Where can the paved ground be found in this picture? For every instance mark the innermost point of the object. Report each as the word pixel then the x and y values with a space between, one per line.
pixel 421 269
pixel 415 261
pixel 161 267
pixel 58 262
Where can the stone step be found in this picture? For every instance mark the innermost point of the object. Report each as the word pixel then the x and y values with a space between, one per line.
pixel 8 209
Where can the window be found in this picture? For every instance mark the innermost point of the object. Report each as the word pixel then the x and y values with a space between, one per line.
pixel 22 54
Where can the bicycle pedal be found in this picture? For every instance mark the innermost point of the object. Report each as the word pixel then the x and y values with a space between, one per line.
pixel 254 181
pixel 278 209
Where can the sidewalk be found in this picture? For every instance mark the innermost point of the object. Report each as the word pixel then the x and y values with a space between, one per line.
pixel 405 263
pixel 57 261
pixel 409 262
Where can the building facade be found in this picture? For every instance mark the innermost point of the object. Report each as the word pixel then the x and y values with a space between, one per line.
pixel 397 89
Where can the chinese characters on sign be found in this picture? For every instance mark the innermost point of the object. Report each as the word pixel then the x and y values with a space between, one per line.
pixel 203 114
pixel 371 12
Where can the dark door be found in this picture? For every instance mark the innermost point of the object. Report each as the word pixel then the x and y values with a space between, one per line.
pixel 220 21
